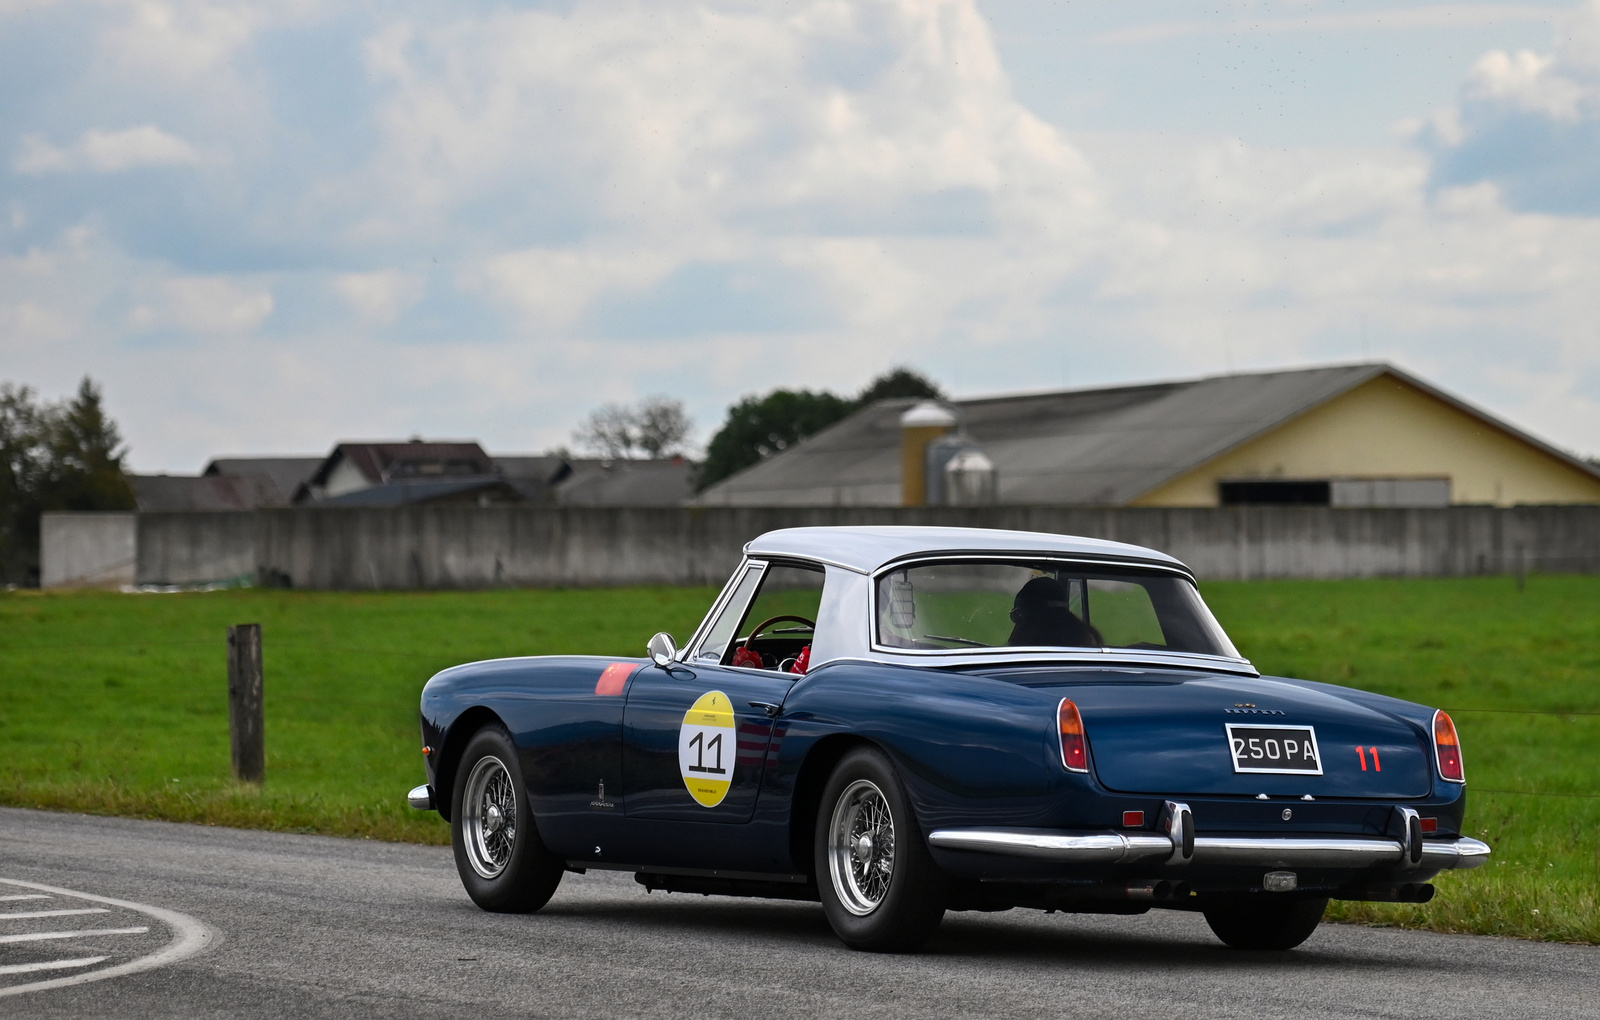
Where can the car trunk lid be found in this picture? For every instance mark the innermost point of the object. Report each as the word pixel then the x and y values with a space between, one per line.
pixel 1173 738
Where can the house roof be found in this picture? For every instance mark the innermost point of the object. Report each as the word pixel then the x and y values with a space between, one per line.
pixel 380 462
pixel 865 549
pixel 665 482
pixel 1102 446
pixel 286 472
pixel 408 491
pixel 205 492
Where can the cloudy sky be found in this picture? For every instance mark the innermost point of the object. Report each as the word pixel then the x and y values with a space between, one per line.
pixel 266 226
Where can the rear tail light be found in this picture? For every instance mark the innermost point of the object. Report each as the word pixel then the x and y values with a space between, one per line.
pixel 1447 748
pixel 1074 749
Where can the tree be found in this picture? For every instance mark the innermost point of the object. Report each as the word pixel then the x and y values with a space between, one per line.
pixel 899 382
pixel 657 427
pixel 63 456
pixel 608 432
pixel 758 427
pixel 662 427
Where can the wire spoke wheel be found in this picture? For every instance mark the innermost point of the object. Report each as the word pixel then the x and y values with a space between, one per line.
pixel 489 817
pixel 861 847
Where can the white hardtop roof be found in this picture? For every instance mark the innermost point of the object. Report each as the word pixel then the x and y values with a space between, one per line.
pixel 865 549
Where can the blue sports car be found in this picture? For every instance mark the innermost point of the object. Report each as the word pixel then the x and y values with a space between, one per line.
pixel 903 721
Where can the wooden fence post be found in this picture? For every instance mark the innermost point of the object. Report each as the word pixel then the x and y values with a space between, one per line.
pixel 245 716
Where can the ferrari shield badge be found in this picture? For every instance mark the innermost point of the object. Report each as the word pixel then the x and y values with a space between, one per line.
pixel 707 742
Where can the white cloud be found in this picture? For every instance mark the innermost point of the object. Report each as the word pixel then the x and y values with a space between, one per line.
pixel 201 306
pixel 1529 123
pixel 522 214
pixel 1530 83
pixel 379 297
pixel 106 152
pixel 1389 18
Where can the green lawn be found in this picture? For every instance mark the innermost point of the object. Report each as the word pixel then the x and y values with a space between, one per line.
pixel 117 704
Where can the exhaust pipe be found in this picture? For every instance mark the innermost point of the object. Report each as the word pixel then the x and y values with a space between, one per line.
pixel 1157 890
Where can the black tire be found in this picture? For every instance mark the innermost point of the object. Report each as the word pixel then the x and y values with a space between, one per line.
pixel 503 863
pixel 885 902
pixel 1265 921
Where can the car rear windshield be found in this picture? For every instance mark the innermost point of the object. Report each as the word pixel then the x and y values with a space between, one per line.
pixel 1043 604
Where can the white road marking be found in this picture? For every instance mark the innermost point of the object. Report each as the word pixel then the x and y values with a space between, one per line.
pixel 32 968
pixel 191 936
pixel 45 936
pixel 55 913
pixel 24 896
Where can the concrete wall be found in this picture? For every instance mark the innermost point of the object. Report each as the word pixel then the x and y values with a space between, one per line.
pixel 468 547
pixel 87 550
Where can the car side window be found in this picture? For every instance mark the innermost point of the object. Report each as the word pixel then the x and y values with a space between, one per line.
pixel 721 631
pixel 781 621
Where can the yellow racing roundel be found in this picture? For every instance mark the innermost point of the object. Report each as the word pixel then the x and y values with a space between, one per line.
pixel 707 744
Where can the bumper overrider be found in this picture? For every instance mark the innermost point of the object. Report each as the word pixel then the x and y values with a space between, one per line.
pixel 1179 846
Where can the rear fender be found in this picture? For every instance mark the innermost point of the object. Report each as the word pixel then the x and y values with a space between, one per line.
pixel 970 750
pixel 806 801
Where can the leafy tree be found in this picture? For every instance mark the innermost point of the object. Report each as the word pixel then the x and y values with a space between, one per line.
pixel 899 382
pixel 63 456
pixel 758 427
pixel 657 427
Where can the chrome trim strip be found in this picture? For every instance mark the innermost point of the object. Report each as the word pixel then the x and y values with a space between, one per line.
pixel 1141 656
pixel 421 798
pixel 1054 845
pixel 1411 838
pixel 1463 852
pixel 1269 852
pixel 1280 852
pixel 692 647
pixel 1177 821
pixel 1013 656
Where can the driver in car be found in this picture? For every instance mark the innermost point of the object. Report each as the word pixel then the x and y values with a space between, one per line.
pixel 1043 617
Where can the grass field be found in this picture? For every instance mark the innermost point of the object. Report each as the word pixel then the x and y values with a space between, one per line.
pixel 117 704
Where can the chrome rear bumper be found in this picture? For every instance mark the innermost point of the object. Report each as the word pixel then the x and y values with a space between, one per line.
pixel 1267 852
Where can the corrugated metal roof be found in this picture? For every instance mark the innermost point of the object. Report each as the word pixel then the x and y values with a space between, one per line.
pixel 665 482
pixel 1098 447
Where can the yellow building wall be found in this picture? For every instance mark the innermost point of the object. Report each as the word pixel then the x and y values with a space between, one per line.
pixel 1386 428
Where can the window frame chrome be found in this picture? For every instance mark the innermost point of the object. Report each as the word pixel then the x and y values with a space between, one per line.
pixel 746 564
pixel 691 657
pixel 1021 653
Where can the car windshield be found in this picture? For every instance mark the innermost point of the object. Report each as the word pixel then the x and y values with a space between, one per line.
pixel 1043 604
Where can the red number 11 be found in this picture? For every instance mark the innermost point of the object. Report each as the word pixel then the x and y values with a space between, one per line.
pixel 1376 764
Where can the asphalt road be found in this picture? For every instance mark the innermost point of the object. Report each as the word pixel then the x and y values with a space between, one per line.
pixel 249 924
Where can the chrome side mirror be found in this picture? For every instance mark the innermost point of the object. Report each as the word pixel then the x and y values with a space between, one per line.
pixel 663 651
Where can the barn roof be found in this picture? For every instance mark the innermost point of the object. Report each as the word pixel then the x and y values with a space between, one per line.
pixel 1104 446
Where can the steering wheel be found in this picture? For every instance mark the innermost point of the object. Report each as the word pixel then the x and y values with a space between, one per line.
pixel 779 619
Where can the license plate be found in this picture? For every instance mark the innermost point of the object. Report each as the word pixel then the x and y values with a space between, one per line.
pixel 1291 750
